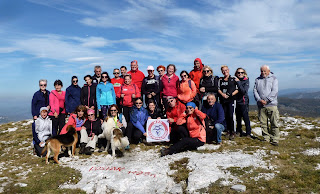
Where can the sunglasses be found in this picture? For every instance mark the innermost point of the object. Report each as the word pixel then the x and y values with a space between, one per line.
pixel 240 72
pixel 139 103
pixel 206 71
pixel 190 107
pixel 90 115
pixel 170 101
pixel 43 84
pixel 184 76
pixel 113 110
pixel 116 73
pixel 104 76
pixel 74 81
pixel 160 70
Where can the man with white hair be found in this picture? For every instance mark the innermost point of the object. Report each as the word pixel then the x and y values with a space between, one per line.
pixel 265 92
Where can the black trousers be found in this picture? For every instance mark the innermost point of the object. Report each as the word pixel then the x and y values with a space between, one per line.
pixel 178 132
pixel 242 112
pixel 229 109
pixel 38 150
pixel 58 123
pixel 184 144
pixel 134 134
pixel 126 113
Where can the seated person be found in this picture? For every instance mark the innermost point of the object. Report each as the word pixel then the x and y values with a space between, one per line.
pixel 138 121
pixel 174 111
pixel 89 134
pixel 215 113
pixel 114 119
pixel 194 120
pixel 43 130
pixel 154 112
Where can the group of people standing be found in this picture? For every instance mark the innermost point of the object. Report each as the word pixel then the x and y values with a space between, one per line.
pixel 199 106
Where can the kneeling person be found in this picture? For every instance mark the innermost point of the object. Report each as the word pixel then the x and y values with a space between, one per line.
pixel 43 130
pixel 215 113
pixel 89 134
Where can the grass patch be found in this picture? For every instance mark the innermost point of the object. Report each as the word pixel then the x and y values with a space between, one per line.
pixel 19 166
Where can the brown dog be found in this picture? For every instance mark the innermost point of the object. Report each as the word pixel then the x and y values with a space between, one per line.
pixel 66 140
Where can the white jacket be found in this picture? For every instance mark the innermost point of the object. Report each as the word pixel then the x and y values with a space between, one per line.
pixel 43 128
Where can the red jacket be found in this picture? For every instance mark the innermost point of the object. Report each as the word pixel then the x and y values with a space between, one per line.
pixel 169 86
pixel 185 93
pixel 72 121
pixel 116 84
pixel 54 102
pixel 196 74
pixel 137 78
pixel 128 90
pixel 176 112
pixel 195 128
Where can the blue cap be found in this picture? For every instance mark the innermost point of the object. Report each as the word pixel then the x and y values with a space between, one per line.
pixel 191 104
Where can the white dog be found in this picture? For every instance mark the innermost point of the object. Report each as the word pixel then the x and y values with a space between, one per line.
pixel 113 136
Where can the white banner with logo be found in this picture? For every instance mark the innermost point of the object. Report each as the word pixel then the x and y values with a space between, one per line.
pixel 158 130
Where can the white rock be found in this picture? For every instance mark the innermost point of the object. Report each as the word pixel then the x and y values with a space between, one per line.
pixel 257 130
pixel 21 184
pixel 240 188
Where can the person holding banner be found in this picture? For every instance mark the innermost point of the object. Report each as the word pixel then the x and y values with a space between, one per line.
pixel 138 121
pixel 194 120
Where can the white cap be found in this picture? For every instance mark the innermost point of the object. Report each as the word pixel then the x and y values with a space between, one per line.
pixel 43 108
pixel 150 68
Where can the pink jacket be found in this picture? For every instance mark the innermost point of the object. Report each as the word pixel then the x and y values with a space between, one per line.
pixel 54 102
pixel 72 121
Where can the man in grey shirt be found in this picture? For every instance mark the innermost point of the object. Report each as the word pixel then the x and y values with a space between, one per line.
pixel 265 92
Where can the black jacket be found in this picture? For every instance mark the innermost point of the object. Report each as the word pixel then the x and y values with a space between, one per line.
pixel 88 95
pixel 210 83
pixel 157 113
pixel 151 85
pixel 93 127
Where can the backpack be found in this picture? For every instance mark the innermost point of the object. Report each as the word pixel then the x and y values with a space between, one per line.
pixel 189 83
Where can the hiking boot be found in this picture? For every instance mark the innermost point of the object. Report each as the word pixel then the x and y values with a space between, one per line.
pixel 82 147
pixel 164 152
pixel 231 137
pixel 146 143
pixel 274 143
pixel 101 149
pixel 87 150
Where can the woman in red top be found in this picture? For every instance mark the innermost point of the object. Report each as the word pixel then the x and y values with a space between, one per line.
pixel 194 120
pixel 170 83
pixel 57 111
pixel 187 89
pixel 117 81
pixel 127 92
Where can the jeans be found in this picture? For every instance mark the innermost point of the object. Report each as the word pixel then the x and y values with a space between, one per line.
pixel 219 128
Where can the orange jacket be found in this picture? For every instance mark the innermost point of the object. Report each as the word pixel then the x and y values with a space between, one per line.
pixel 196 74
pixel 195 128
pixel 185 93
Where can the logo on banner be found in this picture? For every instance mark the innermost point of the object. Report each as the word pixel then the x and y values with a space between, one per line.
pixel 158 130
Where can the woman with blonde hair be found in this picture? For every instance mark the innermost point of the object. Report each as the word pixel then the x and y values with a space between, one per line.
pixel 208 83
pixel 242 107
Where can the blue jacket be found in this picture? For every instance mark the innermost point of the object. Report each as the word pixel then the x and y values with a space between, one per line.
pixel 215 113
pixel 243 87
pixel 38 101
pixel 105 94
pixel 73 94
pixel 139 117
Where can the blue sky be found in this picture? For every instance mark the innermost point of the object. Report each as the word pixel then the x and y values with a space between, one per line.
pixel 56 39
